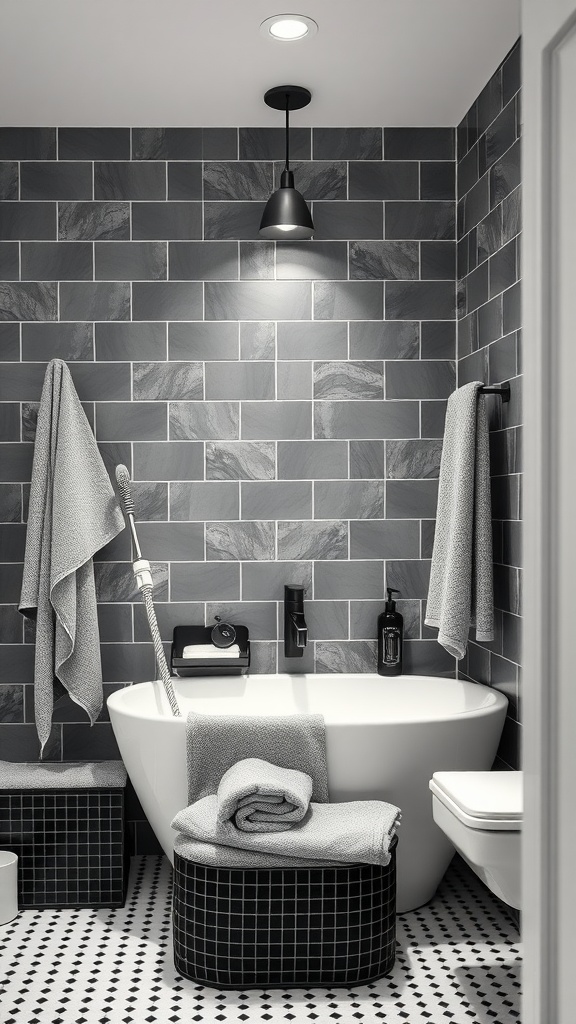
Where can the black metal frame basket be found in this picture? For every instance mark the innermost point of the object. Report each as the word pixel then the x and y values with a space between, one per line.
pixel 273 928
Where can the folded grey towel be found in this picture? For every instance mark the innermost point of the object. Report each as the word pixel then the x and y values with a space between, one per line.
pixel 62 775
pixel 461 590
pixel 357 832
pixel 73 513
pixel 258 796
pixel 228 857
pixel 216 742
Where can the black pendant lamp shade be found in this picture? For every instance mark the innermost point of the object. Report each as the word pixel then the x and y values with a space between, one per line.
pixel 286 214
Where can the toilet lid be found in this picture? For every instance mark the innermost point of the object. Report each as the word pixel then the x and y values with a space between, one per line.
pixel 487 800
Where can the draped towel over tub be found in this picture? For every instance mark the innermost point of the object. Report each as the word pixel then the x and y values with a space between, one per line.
pixel 73 513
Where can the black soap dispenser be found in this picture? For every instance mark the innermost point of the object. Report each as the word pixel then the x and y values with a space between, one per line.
pixel 390 634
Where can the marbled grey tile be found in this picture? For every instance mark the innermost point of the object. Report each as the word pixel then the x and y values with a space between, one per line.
pixel 152 381
pixel 120 341
pixel 167 300
pixel 293 380
pixel 167 143
pixel 354 499
pixel 21 741
pixel 185 180
pixel 409 499
pixel 348 300
pixel 438 261
pixel 420 300
pixel 476 204
pixel 11 582
pixel 412 460
pixel 350 219
pixel 11 621
pixel 115 452
pixel 257 261
pixel 168 615
pixel 16 665
pixel 93 143
pixel 341 380
pixel 28 301
pixel 27 221
pixel 52 180
pixel 311 261
pixel 366 419
pixel 316 179
pixel 29 420
pixel 169 220
pixel 239 380
pixel 346 656
pixel 313 340
pixel 387 538
pixel 258 300
pixel 115 582
pixel 202 341
pixel 27 143
pixel 348 580
pixel 313 540
pixel 78 221
pixel 258 616
pixel 117 550
pixel 505 499
pixel 254 541
pixel 433 379
pixel 278 421
pixel 244 180
pixel 384 260
pixel 129 180
pixel 512 553
pixel 427 656
pixel 506 455
pixel 366 459
pixel 175 542
pixel 203 501
pixel 9 261
pixel 387 179
pixel 264 581
pixel 241 460
pixel 512 637
pixel 212 581
pixel 438 339
pixel 326 620
pixel 419 143
pixel 347 143
pixel 489 321
pixel 233 220
pixel 489 234
pixel 150 500
pixel 312 460
pixel 101 300
pixel 429 219
pixel 9 422
pixel 258 340
pixel 130 261
pixel 501 134
pixel 503 268
pixel 130 421
pixel 10 503
pixel 203 420
pixel 411 577
pixel 386 340
pixel 364 618
pixel 473 367
pixel 9 180
pixel 57 261
pixel 11 703
pixel 511 215
pixel 276 500
pixel 263 658
pixel 270 143
pixel 203 261
pixel 168 460
pixel 438 180
pixel 505 175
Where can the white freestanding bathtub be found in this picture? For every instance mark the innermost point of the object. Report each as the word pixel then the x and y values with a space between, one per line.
pixel 385 738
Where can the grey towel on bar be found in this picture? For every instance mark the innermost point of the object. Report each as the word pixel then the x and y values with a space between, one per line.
pixel 258 796
pixel 216 742
pixel 215 856
pixel 360 831
pixel 62 775
pixel 461 589
pixel 73 513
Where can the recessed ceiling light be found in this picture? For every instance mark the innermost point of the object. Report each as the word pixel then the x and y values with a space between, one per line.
pixel 288 28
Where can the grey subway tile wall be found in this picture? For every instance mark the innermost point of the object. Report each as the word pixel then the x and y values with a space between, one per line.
pixel 489 347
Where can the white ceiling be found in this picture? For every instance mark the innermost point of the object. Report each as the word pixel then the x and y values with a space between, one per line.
pixel 204 62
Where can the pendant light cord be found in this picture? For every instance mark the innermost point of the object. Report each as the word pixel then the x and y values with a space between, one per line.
pixel 287 131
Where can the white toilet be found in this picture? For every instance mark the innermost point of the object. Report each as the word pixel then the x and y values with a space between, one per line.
pixel 481 814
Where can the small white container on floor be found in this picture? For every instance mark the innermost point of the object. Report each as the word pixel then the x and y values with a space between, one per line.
pixel 8 886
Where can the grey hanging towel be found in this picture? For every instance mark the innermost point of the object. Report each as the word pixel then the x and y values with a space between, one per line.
pixel 73 513
pixel 461 590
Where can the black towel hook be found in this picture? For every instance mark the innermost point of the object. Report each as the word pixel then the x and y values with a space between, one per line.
pixel 497 389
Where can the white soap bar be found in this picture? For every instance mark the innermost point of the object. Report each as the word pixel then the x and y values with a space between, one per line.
pixel 209 651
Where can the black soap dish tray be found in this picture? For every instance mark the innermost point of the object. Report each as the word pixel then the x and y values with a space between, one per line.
pixel 217 665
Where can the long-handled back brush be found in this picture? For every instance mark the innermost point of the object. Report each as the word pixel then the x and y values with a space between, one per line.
pixel 144 582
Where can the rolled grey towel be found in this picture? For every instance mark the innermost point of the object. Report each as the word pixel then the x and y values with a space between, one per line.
pixel 258 796
pixel 215 856
pixel 460 593
pixel 360 831
pixel 217 742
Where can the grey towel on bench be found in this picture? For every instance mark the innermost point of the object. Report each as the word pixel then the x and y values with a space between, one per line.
pixel 217 742
pixel 258 796
pixel 215 856
pixel 360 831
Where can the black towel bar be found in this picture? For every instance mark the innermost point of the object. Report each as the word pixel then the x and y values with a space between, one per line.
pixel 497 389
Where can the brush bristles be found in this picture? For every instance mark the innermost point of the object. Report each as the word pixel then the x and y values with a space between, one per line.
pixel 123 481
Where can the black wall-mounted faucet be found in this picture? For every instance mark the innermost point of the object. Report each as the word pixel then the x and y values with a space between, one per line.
pixel 295 628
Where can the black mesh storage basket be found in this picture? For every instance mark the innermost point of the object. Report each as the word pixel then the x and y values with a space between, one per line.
pixel 271 928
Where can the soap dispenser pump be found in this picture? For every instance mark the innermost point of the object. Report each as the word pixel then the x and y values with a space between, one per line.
pixel 390 634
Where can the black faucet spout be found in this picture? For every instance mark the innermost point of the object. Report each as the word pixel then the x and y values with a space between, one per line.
pixel 295 628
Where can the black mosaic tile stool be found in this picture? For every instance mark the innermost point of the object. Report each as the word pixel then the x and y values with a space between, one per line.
pixel 70 844
pixel 273 928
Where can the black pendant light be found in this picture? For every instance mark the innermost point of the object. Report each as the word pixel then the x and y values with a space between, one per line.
pixel 286 214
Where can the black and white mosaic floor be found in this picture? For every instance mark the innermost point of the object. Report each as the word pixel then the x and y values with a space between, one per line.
pixel 458 959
